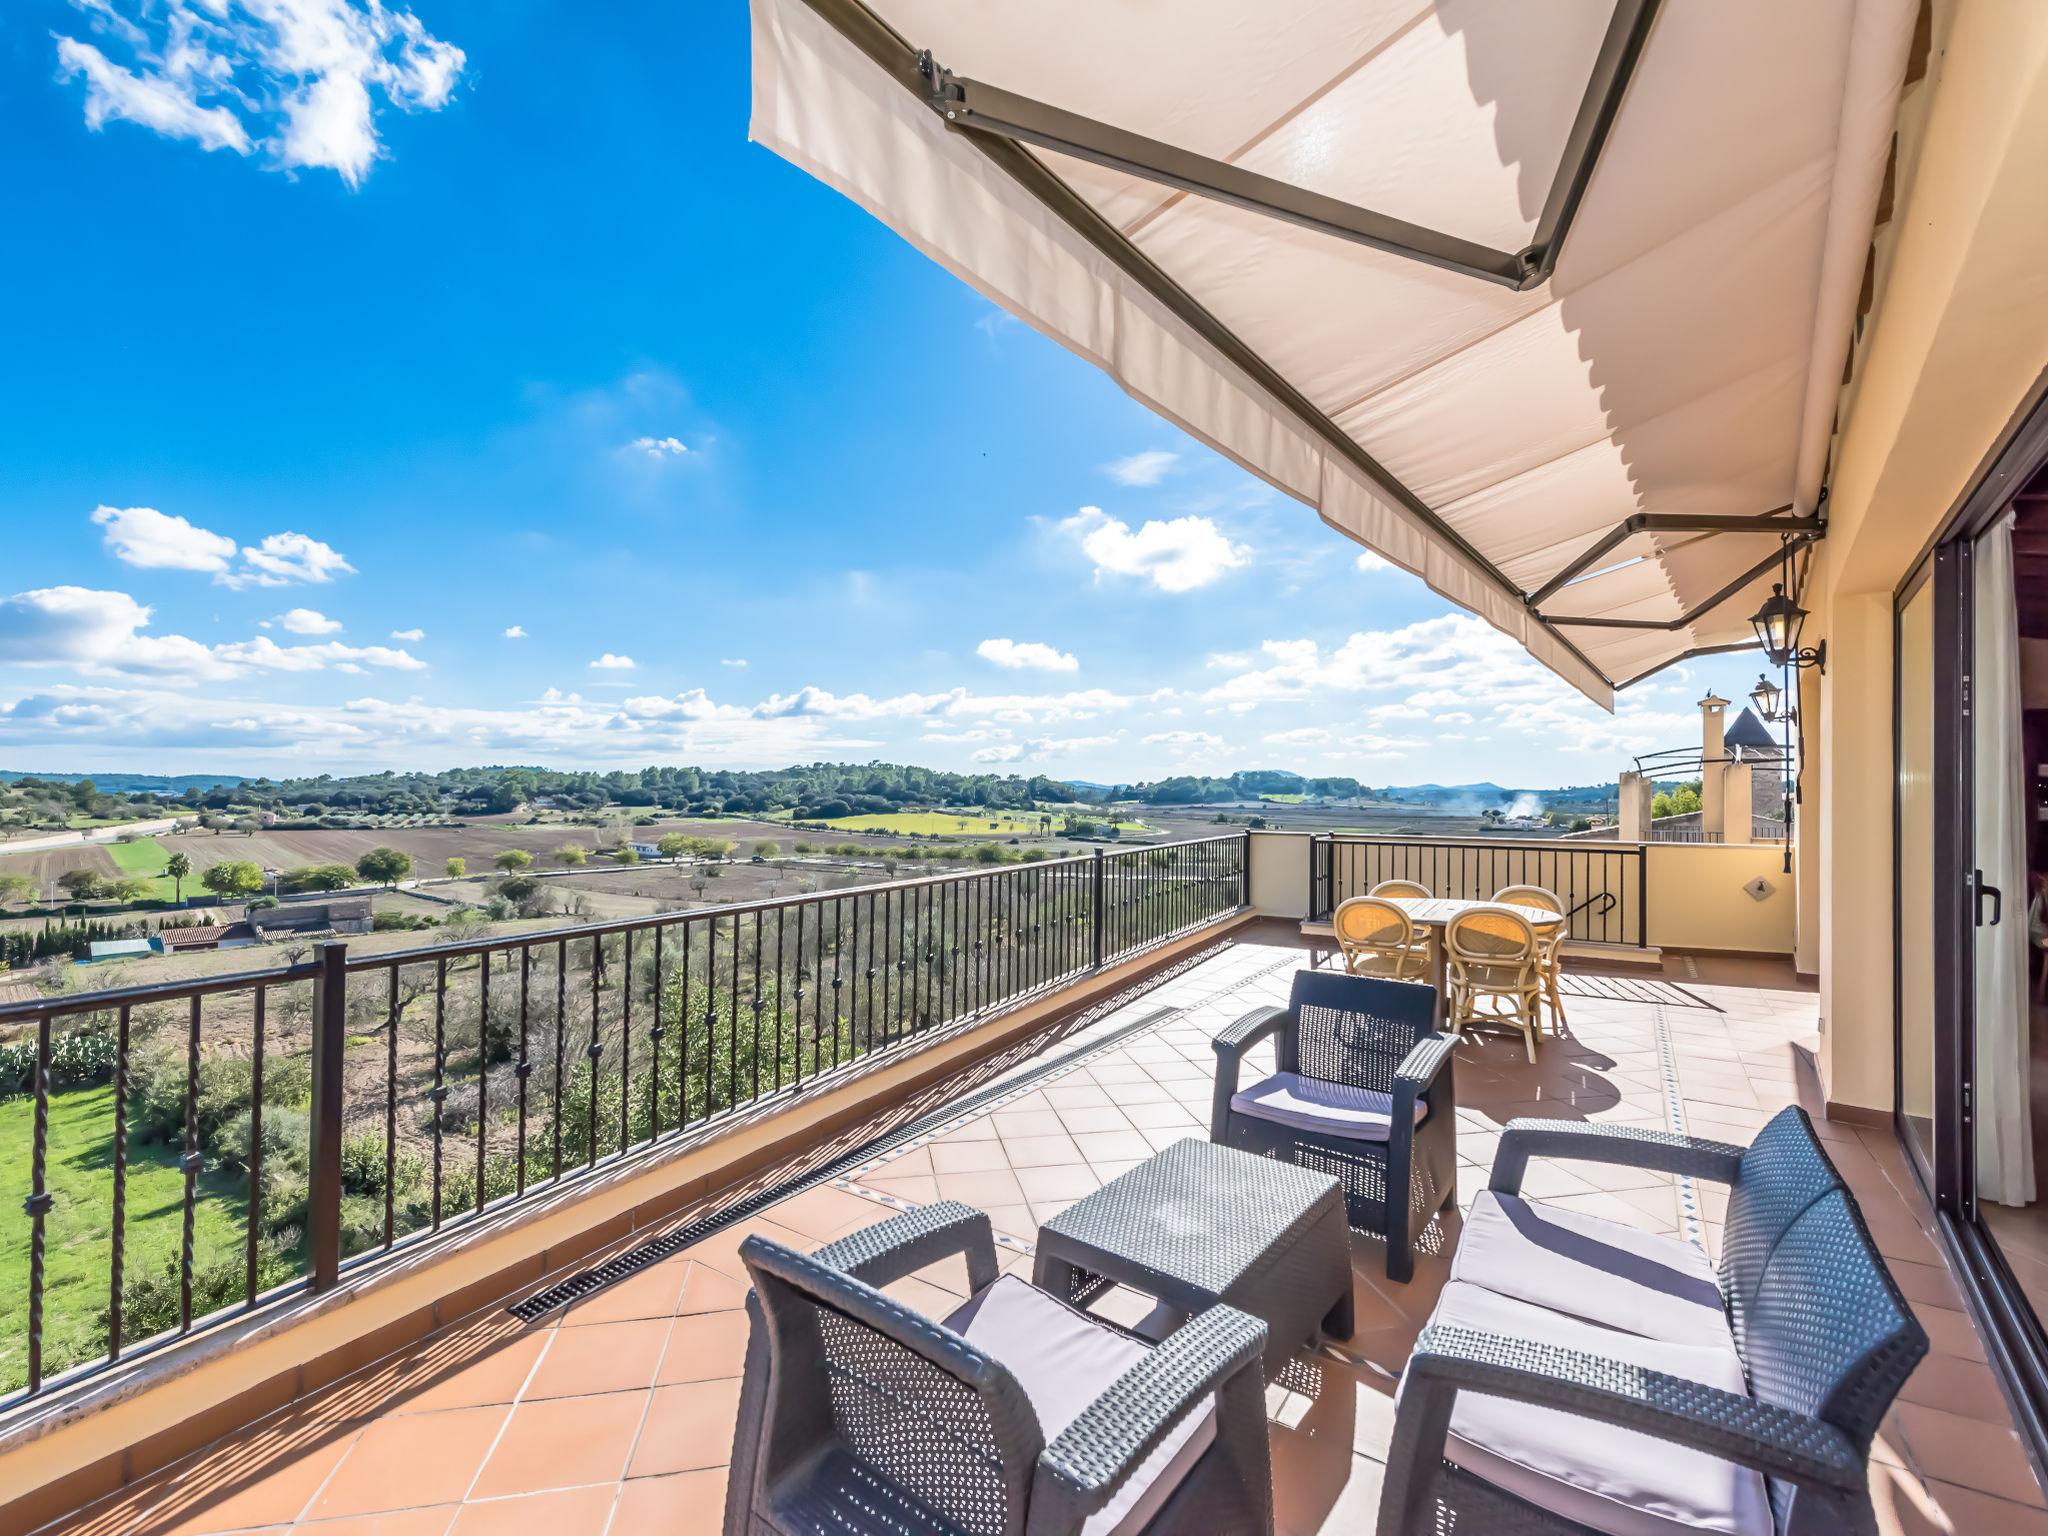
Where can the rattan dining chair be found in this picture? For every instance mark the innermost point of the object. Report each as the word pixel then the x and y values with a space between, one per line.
pixel 1377 938
pixel 1493 957
pixel 1402 890
pixel 1553 942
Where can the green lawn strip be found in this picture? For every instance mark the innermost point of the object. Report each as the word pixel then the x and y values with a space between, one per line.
pixel 78 1229
pixel 144 858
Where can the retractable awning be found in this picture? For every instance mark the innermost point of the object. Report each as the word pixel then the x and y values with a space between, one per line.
pixel 1547 304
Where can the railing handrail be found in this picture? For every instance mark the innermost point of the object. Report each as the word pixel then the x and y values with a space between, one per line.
pixel 179 991
pixel 1590 844
pixel 637 1061
pixel 153 992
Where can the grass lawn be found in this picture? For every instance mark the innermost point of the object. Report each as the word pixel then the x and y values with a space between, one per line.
pixel 78 1228
pixel 144 859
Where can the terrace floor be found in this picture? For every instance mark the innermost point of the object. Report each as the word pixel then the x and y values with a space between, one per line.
pixel 616 1416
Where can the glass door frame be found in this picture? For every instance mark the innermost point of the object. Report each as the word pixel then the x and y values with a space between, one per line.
pixel 1949 1178
pixel 2013 1334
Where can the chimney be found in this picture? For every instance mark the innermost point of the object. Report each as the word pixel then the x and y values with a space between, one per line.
pixel 1713 797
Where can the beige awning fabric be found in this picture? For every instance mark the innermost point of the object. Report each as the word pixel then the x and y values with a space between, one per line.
pixel 1683 356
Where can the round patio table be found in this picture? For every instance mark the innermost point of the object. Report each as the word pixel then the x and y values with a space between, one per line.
pixel 1436 911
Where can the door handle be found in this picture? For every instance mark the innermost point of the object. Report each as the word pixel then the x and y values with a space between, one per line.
pixel 1997 900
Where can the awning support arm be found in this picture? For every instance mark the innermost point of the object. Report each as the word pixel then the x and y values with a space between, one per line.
pixel 897 59
pixel 1672 522
pixel 985 108
pixel 1767 563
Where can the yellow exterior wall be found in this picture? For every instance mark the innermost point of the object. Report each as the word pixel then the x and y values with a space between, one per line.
pixel 1280 874
pixel 1697 900
pixel 1956 340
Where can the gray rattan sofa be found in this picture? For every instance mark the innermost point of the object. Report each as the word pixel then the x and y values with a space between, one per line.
pixel 1362 1091
pixel 1017 1416
pixel 1578 1375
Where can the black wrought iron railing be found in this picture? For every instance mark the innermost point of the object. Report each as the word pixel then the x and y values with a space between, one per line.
pixel 190 1150
pixel 1604 886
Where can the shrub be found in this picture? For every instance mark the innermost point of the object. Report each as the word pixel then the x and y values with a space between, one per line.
pixel 149 1299
pixel 285 1133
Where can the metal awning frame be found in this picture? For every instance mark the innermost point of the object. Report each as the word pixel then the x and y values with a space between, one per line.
pixel 976 106
pixel 1000 123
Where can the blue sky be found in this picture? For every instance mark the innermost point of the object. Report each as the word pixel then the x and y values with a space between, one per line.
pixel 416 388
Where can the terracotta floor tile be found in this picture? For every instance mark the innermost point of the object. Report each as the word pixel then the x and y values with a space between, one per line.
pixel 703 1346
pixel 654 1292
pixel 968 1156
pixel 1011 1124
pixel 401 1522
pixel 270 1480
pixel 566 1512
pixel 603 1357
pixel 826 1212
pixel 444 1373
pixel 415 1460
pixel 563 1443
pixel 1061 1181
pixel 688 1427
pixel 984 1190
pixel 1041 1151
pixel 1112 1146
pixel 706 1290
pixel 912 1189
pixel 685 1501
pixel 1168 1112
pixel 1966 1451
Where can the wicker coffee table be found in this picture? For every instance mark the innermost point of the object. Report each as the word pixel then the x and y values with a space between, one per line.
pixel 1198 1224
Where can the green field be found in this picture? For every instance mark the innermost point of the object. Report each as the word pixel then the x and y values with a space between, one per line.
pixel 144 859
pixel 1294 799
pixel 80 1166
pixel 962 823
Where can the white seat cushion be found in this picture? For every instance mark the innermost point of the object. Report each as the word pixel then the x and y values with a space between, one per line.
pixel 1598 1270
pixel 1310 1104
pixel 1601 1475
pixel 1063 1359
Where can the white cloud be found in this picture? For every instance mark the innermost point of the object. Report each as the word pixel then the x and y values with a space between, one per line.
pixel 99 634
pixel 610 663
pixel 1175 556
pixel 284 558
pixel 1026 655
pixel 515 632
pixel 998 754
pixel 1368 562
pixel 734 661
pixel 1182 739
pixel 408 634
pixel 293 78
pixel 156 541
pixel 1233 661
pixel 304 621
pixel 1147 468
pixel 660 447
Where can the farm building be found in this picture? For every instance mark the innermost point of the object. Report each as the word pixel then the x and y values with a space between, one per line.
pixel 210 936
pixel 120 949
pixel 349 915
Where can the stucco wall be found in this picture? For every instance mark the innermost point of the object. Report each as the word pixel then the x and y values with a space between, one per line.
pixel 1697 900
pixel 1280 874
pixel 1957 338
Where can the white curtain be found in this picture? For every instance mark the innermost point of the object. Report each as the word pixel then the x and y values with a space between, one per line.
pixel 2005 1136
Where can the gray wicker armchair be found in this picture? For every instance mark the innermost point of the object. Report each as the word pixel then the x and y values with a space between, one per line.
pixel 1017 1416
pixel 1363 1092
pixel 1578 1375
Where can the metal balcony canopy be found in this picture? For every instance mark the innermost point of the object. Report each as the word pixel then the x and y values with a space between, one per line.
pixel 1547 304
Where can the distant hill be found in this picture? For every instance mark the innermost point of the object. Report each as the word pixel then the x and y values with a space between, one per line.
pixel 135 783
